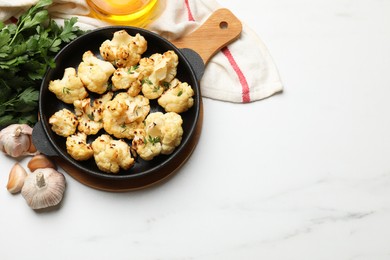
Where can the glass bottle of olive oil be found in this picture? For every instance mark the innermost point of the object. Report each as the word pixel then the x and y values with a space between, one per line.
pixel 138 13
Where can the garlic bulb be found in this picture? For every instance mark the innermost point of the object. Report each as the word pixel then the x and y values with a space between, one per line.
pixel 43 188
pixel 16 178
pixel 15 140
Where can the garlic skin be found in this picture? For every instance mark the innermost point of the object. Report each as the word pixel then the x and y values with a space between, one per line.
pixel 43 188
pixel 39 161
pixel 16 178
pixel 15 140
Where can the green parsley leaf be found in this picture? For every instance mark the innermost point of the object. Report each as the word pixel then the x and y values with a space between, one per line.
pixel 27 49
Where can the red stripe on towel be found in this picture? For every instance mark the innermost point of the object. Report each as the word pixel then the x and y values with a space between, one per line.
pixel 190 16
pixel 244 83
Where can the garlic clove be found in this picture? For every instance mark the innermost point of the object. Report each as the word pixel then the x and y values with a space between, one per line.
pixel 32 150
pixel 44 188
pixel 16 178
pixel 40 161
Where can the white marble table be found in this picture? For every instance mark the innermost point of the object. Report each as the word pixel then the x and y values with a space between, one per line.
pixel 302 175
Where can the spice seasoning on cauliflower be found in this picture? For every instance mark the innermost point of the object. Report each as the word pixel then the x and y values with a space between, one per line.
pixel 69 88
pixel 124 115
pixel 63 122
pixel 78 148
pixel 163 133
pixel 164 70
pixel 111 155
pixel 123 50
pixel 177 98
pixel 90 116
pixel 95 73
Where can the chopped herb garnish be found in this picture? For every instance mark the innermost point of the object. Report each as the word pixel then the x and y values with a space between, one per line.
pixel 109 86
pixel 165 85
pixel 91 116
pixel 66 90
pixel 147 81
pixel 153 140
pixel 124 127
pixel 132 69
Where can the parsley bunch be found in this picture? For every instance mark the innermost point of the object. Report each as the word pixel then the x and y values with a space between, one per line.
pixel 27 49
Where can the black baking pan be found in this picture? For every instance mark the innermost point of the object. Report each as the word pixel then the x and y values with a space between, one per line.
pixel 190 69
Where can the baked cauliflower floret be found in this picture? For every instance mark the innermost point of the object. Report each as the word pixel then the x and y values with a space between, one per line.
pixel 95 73
pixel 63 122
pixel 124 115
pixel 146 65
pixel 78 148
pixel 90 116
pixel 164 71
pixel 127 78
pixel 69 88
pixel 170 62
pixel 111 155
pixel 172 132
pixel 146 148
pixel 138 108
pixel 178 98
pixel 123 50
pixel 163 133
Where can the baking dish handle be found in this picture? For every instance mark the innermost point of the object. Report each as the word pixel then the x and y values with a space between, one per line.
pixel 195 61
pixel 41 141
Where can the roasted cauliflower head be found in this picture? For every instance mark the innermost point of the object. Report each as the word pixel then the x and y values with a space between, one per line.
pixel 127 78
pixel 69 88
pixel 172 132
pixel 146 148
pixel 95 73
pixel 177 98
pixel 90 114
pixel 124 115
pixel 170 60
pixel 78 148
pixel 162 134
pixel 63 122
pixel 164 71
pixel 123 50
pixel 111 155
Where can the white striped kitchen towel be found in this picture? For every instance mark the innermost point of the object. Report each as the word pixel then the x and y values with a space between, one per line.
pixel 242 72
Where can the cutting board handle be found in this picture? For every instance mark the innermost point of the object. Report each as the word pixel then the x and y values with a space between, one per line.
pixel 220 29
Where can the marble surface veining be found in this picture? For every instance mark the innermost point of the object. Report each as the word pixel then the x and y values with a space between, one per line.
pixel 303 175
